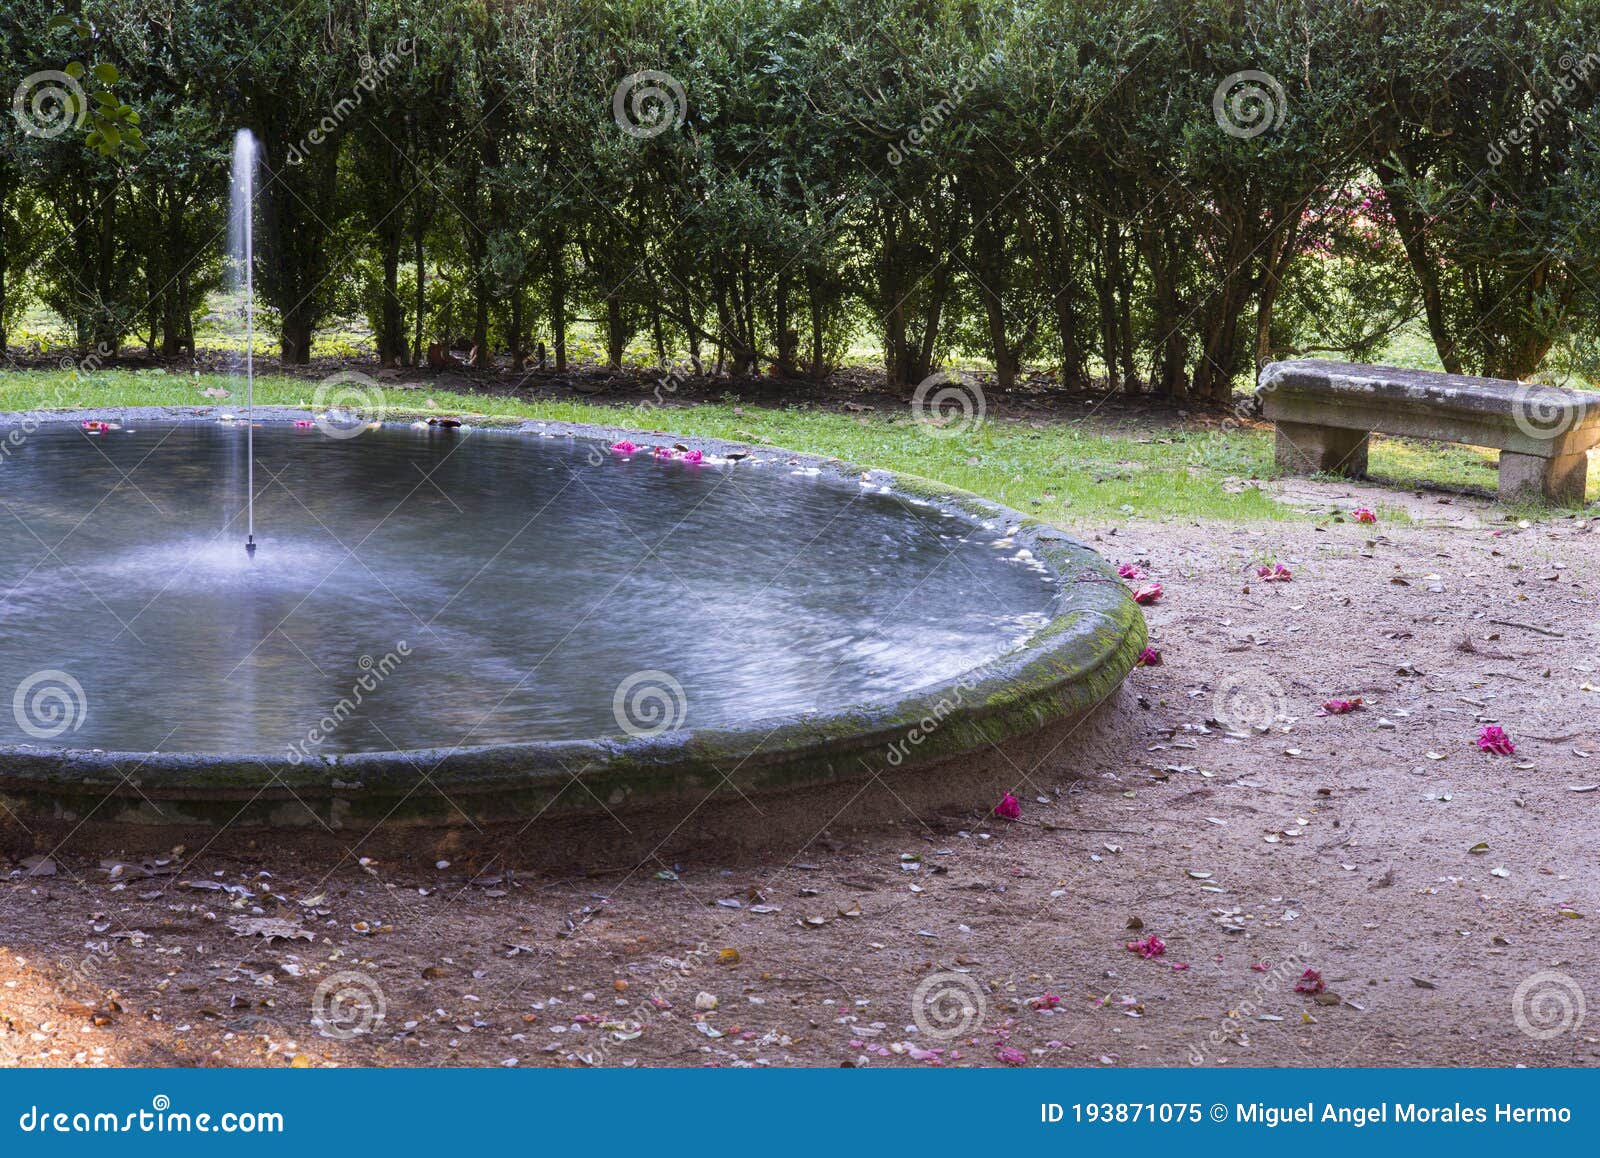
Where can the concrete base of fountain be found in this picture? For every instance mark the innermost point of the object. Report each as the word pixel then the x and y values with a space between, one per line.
pixel 952 744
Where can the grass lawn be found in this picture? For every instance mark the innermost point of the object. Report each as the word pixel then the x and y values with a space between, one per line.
pixel 1064 471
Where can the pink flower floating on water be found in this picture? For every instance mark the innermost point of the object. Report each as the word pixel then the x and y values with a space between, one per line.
pixel 1310 982
pixel 1339 707
pixel 303 424
pixel 1363 515
pixel 624 447
pixel 1149 593
pixel 1277 573
pixel 1150 657
pixel 1011 1056
pixel 1009 807
pixel 1151 946
pixel 663 452
pixel 1493 738
pixel 1129 571
pixel 693 456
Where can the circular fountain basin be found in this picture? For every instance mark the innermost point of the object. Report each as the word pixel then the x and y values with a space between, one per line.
pixel 466 626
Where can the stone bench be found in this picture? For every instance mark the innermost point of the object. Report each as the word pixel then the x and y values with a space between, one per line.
pixel 1324 412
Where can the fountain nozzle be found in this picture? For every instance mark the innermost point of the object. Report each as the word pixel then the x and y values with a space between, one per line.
pixel 250 546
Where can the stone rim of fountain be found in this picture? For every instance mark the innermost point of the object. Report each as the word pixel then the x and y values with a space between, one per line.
pixel 1054 681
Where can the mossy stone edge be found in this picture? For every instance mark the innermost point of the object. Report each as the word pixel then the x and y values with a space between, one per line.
pixel 1066 669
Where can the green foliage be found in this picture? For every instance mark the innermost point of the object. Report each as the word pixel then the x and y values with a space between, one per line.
pixel 1160 194
pixel 113 125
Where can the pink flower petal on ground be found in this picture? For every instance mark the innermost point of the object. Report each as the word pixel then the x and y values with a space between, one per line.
pixel 1180 966
pixel 917 1053
pixel 1363 515
pixel 1129 571
pixel 1011 1056
pixel 1151 946
pixel 1148 594
pixel 1009 807
pixel 1149 657
pixel 1277 573
pixel 1261 966
pixel 1339 707
pixel 1046 1001
pixel 1493 738
pixel 1310 982
pixel 624 447
pixel 693 456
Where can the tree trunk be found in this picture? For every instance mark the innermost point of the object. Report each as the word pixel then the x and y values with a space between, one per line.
pixel 616 333
pixel 482 356
pixel 392 322
pixel 514 338
pixel 416 241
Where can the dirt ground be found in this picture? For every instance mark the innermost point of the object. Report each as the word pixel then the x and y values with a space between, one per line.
pixel 1447 897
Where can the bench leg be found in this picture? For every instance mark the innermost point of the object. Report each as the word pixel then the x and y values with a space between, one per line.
pixel 1305 449
pixel 1561 480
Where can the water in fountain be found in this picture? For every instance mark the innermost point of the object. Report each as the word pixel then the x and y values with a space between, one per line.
pixel 529 584
pixel 241 275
